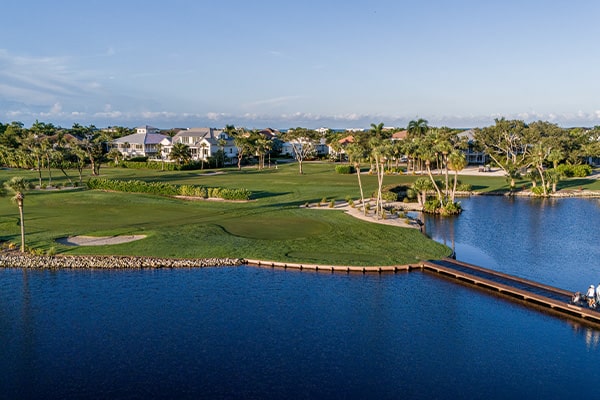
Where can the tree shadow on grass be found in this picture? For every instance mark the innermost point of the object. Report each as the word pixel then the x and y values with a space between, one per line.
pixel 574 183
pixel 261 194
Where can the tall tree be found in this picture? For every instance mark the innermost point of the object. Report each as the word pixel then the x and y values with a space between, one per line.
pixel 505 143
pixel 427 153
pixel 356 154
pixel 92 141
pixel 222 142
pixel 457 161
pixel 417 128
pixel 377 130
pixel 421 186
pixel 18 185
pixel 243 145
pixel 180 153
pixel 303 142
pixel 379 153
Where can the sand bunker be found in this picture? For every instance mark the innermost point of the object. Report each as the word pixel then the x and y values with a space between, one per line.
pixel 98 240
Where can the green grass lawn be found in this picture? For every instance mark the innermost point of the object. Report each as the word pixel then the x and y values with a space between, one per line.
pixel 270 227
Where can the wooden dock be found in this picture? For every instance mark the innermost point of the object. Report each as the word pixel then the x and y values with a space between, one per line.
pixel 529 292
pixel 533 293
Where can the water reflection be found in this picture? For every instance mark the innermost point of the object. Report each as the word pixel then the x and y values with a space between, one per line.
pixel 590 335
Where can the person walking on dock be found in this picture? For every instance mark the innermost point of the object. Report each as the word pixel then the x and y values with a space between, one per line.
pixel 598 294
pixel 591 296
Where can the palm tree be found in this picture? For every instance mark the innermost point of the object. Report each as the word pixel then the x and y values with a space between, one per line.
pixel 180 153
pixel 422 186
pixel 159 153
pixel 417 128
pixel 552 178
pixel 379 152
pixel 443 147
pixel 457 161
pixel 222 142
pixel 377 130
pixel 242 144
pixel 18 185
pixel 356 154
pixel 427 153
pixel 203 153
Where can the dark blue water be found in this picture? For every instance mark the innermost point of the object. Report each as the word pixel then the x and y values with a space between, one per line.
pixel 554 241
pixel 269 334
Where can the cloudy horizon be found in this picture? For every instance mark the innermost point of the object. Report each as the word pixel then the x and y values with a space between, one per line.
pixel 328 63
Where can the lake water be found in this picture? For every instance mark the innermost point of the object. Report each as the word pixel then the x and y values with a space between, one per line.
pixel 245 332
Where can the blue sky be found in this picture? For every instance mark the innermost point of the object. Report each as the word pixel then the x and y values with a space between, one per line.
pixel 339 64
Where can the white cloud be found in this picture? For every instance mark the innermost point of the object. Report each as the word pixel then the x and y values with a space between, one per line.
pixel 56 108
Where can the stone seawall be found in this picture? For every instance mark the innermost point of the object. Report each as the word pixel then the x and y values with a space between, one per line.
pixel 13 259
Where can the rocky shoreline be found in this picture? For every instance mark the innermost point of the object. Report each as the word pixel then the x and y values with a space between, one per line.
pixel 13 259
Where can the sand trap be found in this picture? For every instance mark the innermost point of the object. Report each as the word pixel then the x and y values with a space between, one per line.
pixel 98 240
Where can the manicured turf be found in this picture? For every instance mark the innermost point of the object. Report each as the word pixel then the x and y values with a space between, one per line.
pixel 270 227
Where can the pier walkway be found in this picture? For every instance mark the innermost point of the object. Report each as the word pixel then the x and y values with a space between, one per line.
pixel 554 299
pixel 532 293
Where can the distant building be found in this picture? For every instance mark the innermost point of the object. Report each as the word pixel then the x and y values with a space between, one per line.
pixel 472 155
pixel 203 143
pixel 146 129
pixel 400 135
pixel 144 143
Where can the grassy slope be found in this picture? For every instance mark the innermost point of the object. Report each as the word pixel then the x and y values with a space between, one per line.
pixel 272 227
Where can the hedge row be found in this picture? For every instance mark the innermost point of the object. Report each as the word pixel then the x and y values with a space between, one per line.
pixel 166 166
pixel 344 169
pixel 168 189
pixel 580 170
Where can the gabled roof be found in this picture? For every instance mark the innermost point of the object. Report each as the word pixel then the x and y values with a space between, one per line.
pixel 346 140
pixel 141 138
pixel 469 134
pixel 401 135
pixel 269 133
pixel 198 132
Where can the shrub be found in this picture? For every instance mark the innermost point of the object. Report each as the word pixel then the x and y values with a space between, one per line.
pixel 234 194
pixel 167 189
pixel 344 169
pixel 451 209
pixel 331 203
pixel 582 170
pixel 578 171
pixel 431 206
pixel 537 190
pixel 464 187
pixel 389 196
pixel 36 252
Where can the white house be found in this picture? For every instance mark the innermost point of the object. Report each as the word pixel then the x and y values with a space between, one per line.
pixel 144 143
pixel 203 143
pixel 473 155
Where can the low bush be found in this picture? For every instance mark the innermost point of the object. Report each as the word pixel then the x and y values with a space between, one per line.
pixel 570 171
pixel 464 187
pixel 167 189
pixel 537 190
pixel 344 169
pixel 389 196
pixel 431 206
